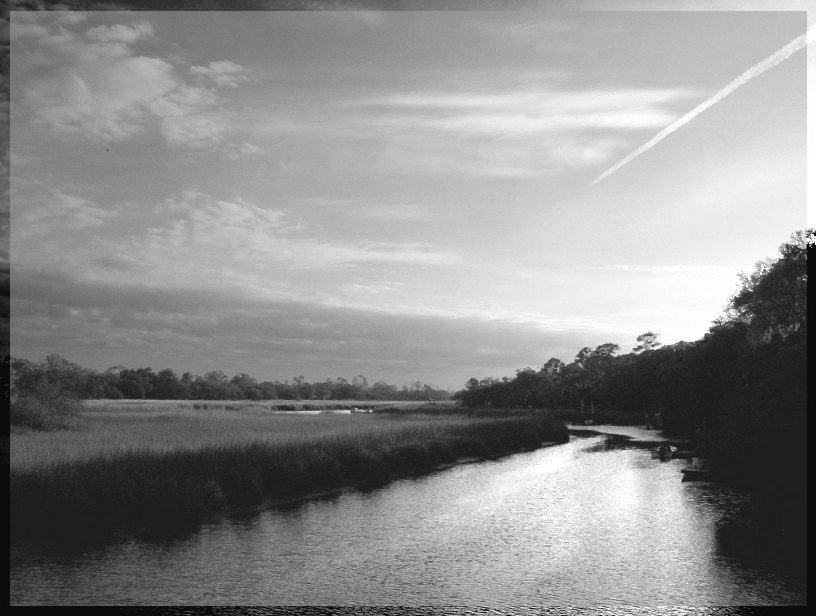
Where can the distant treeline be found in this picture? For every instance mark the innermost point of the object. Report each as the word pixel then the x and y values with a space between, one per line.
pixel 740 391
pixel 58 377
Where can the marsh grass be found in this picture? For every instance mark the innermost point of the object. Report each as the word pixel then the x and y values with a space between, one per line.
pixel 150 467
pixel 258 405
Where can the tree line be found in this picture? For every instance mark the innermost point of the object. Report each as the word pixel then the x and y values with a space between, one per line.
pixel 56 376
pixel 740 391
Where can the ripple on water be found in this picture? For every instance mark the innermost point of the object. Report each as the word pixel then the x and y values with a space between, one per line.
pixel 579 524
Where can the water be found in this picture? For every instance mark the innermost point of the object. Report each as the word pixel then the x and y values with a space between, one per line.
pixel 592 522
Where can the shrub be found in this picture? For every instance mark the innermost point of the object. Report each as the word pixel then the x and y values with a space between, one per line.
pixel 39 412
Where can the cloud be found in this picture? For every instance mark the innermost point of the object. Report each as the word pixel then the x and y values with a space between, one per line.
pixel 56 212
pixel 513 157
pixel 196 130
pixel 513 135
pixel 661 269
pixel 99 325
pixel 121 33
pixel 100 100
pixel 516 132
pixel 223 73
pixel 98 87
pixel 527 33
pixel 396 212
pixel 523 112
pixel 240 150
pixel 372 211
pixel 197 241
pixel 371 290
pixel 69 18
pixel 800 42
pixel 267 239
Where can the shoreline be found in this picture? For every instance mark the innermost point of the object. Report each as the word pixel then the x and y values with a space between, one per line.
pixel 139 491
pixel 295 501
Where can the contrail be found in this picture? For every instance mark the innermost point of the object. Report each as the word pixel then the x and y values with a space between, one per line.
pixel 800 42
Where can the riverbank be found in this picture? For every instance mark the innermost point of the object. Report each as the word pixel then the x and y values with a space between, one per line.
pixel 123 472
pixel 577 524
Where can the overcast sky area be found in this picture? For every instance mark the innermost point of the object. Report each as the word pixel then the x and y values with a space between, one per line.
pixel 405 195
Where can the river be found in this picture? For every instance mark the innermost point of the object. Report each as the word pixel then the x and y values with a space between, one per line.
pixel 595 521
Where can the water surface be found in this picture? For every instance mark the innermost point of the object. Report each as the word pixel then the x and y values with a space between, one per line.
pixel 595 521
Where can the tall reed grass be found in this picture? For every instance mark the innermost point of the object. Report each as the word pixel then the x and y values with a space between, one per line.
pixel 119 470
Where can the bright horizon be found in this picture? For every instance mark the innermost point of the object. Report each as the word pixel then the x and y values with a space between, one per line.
pixel 410 196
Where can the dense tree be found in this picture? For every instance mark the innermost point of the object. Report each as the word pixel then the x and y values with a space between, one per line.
pixel 773 299
pixel 553 366
pixel 269 390
pixel 582 355
pixel 646 342
pixel 214 385
pixel 168 386
pixel 56 376
pixel 136 384
pixel 383 391
pixel 43 394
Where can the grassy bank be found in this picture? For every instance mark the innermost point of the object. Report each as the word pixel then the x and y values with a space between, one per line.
pixel 116 470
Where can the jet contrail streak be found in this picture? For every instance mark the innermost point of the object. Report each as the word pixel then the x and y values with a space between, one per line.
pixel 800 42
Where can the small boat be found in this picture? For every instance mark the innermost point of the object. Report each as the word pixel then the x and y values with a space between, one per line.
pixel 665 452
pixel 697 470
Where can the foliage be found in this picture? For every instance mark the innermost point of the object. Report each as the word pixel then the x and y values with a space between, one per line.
pixel 119 382
pixel 42 412
pixel 646 342
pixel 773 299
pixel 43 396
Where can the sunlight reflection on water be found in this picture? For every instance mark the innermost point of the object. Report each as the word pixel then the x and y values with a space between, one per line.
pixel 580 524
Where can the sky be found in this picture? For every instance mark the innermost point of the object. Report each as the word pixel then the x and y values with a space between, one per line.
pixel 407 195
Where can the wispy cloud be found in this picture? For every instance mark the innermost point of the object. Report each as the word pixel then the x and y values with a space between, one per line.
pixel 526 111
pixel 223 73
pixel 242 149
pixel 659 269
pixel 518 132
pixel 798 43
pixel 196 241
pixel 56 211
pixel 401 212
pixel 120 32
pixel 372 211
